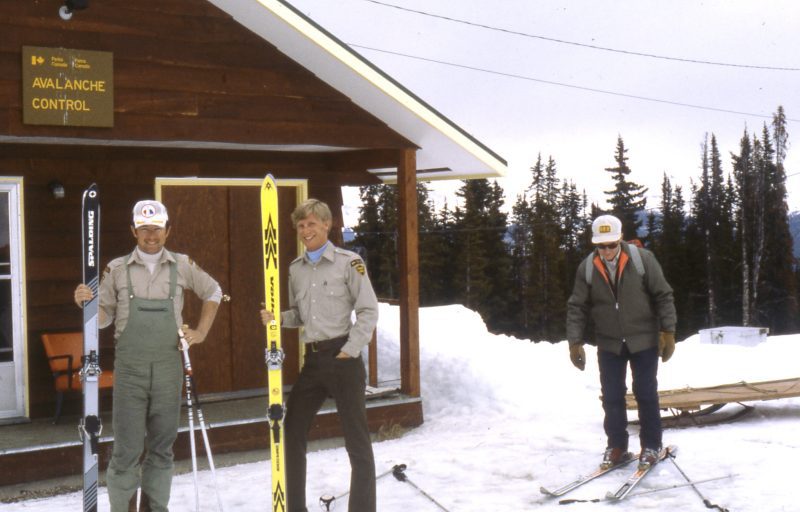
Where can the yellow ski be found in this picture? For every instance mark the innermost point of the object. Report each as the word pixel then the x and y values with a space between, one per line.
pixel 273 353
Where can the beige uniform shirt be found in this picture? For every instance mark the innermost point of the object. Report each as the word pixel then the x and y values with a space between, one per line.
pixel 323 296
pixel 114 296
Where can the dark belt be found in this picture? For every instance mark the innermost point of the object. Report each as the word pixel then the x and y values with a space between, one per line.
pixel 326 345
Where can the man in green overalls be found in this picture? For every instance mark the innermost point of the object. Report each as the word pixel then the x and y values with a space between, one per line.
pixel 142 293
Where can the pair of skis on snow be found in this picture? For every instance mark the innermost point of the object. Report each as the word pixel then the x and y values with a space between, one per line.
pixel 633 480
pixel 625 489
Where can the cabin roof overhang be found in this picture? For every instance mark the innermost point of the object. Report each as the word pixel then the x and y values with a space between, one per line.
pixel 446 151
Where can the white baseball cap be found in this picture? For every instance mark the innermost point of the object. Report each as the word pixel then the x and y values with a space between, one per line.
pixel 605 229
pixel 149 213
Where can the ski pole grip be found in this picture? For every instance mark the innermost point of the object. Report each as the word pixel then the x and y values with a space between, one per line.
pixel 397 472
pixel 183 344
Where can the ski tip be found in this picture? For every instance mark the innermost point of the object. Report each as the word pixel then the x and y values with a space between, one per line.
pixel 268 183
pixel 545 491
pixel 90 191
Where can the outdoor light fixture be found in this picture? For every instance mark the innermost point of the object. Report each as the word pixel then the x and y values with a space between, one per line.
pixel 66 10
pixel 57 189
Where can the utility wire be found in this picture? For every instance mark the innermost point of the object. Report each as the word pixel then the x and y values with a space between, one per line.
pixel 561 84
pixel 583 45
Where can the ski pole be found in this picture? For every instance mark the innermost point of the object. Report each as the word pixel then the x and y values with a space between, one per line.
pixel 190 390
pixel 399 473
pixel 706 501
pixel 187 379
pixel 326 500
pixel 678 486
pixel 651 491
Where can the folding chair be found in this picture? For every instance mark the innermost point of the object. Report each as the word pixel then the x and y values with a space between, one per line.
pixel 64 353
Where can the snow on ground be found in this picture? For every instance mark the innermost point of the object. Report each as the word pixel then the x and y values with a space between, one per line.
pixel 504 416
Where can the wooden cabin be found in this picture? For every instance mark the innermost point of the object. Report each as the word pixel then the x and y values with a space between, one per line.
pixel 192 102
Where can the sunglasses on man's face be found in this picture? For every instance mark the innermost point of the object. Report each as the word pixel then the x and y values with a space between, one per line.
pixel 608 247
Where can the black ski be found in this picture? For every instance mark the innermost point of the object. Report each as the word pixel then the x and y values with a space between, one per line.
pixel 90 425
pixel 639 474
pixel 600 471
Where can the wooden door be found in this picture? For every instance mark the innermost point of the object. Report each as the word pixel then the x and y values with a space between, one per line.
pixel 218 224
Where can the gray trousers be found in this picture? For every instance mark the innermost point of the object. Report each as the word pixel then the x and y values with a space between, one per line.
pixel 146 412
pixel 345 380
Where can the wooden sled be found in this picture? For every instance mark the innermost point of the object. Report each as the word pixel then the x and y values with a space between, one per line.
pixel 695 406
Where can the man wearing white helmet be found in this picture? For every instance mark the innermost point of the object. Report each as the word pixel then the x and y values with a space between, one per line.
pixel 620 290
pixel 142 293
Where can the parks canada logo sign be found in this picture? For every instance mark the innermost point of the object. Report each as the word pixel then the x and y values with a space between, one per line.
pixel 66 87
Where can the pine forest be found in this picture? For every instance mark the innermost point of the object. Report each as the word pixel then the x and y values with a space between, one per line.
pixel 725 245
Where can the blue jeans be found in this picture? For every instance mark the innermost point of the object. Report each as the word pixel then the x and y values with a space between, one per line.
pixel 644 370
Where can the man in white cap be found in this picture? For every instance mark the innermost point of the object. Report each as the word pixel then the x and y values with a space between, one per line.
pixel 142 293
pixel 620 290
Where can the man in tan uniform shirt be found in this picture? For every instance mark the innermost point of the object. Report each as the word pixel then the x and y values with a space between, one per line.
pixel 326 285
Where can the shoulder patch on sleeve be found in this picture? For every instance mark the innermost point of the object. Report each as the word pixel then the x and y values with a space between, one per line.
pixel 359 266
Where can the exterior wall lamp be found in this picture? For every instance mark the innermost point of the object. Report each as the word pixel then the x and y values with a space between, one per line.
pixel 57 189
pixel 66 10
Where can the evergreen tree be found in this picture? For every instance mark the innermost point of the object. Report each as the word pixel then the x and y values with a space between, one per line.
pixel 368 229
pixel 440 273
pixel 743 173
pixel 711 234
pixel 730 257
pixel 376 236
pixel 768 294
pixel 546 284
pixel 575 223
pixel 482 263
pixel 777 304
pixel 669 244
pixel 521 245
pixel 627 199
pixel 386 281
pixel 431 255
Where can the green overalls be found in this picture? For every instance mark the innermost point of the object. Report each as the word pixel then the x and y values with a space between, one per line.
pixel 147 399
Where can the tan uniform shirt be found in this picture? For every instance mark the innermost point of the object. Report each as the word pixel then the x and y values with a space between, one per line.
pixel 115 299
pixel 323 296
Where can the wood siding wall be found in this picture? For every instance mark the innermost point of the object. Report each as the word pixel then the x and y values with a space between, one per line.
pixel 52 226
pixel 184 70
